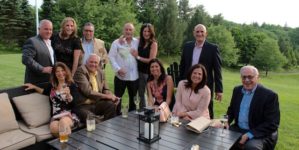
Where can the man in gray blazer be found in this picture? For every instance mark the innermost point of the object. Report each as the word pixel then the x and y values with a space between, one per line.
pixel 38 55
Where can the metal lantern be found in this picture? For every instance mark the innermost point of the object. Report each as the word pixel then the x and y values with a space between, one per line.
pixel 149 127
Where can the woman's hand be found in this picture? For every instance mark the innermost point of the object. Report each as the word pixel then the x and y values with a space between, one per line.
pixel 134 52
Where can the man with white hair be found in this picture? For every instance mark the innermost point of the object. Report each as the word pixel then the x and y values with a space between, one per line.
pixel 255 112
pixel 96 96
pixel 38 55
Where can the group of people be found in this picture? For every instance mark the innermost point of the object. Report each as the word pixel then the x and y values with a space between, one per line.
pixel 74 70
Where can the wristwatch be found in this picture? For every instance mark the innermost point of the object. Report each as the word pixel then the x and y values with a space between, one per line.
pixel 138 57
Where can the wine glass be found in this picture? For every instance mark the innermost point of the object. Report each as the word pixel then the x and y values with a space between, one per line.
pixel 223 120
pixel 137 102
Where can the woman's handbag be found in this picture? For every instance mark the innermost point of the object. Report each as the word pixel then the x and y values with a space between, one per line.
pixel 164 112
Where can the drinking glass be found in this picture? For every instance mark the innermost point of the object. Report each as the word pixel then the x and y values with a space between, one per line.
pixel 124 111
pixel 90 122
pixel 63 133
pixel 223 120
pixel 137 102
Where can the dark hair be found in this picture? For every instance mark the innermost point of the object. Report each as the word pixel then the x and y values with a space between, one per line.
pixel 68 75
pixel 163 74
pixel 152 38
pixel 203 82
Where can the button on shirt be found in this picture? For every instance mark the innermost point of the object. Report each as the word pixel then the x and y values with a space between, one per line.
pixel 244 110
pixel 120 57
pixel 88 49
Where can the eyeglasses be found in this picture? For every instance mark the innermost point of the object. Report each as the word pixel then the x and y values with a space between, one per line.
pixel 249 77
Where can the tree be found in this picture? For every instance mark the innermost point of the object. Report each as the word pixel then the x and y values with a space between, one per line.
pixel 47 9
pixel 224 39
pixel 268 57
pixel 146 11
pixel 167 28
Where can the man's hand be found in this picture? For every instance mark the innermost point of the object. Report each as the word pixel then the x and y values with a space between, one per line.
pixel 243 140
pixel 134 52
pixel 47 70
pixel 218 96
pixel 121 72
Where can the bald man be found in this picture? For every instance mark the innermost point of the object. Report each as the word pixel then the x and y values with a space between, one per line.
pixel 124 65
pixel 202 52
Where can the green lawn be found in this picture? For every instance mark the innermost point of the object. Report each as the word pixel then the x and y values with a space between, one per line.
pixel 285 84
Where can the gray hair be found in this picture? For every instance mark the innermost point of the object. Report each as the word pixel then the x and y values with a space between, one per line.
pixel 42 22
pixel 93 54
pixel 200 25
pixel 88 24
pixel 254 69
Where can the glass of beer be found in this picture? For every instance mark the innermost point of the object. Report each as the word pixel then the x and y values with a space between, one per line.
pixel 63 133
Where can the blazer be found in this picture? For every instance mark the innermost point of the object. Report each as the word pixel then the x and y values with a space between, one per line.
pixel 210 58
pixel 35 56
pixel 82 79
pixel 99 49
pixel 264 114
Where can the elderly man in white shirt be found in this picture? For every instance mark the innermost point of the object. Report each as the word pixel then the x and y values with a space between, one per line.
pixel 125 65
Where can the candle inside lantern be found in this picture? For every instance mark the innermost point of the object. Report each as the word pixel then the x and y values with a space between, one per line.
pixel 147 132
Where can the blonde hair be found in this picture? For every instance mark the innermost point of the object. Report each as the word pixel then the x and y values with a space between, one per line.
pixel 62 30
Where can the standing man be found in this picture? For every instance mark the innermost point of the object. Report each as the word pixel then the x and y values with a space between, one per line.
pixel 255 112
pixel 125 65
pixel 91 44
pixel 202 52
pixel 38 55
pixel 95 94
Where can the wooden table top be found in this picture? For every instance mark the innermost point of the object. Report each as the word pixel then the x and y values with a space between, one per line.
pixel 121 133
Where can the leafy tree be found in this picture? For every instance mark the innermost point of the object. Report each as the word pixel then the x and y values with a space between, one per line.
pixel 268 57
pixel 217 19
pixel 184 10
pixel 167 28
pixel 224 39
pixel 146 11
pixel 47 9
pixel 27 17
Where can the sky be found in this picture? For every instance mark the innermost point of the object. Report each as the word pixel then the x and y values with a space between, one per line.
pixel 276 12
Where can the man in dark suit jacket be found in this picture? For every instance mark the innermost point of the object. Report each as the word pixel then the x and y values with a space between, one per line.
pixel 96 96
pixel 207 54
pixel 38 55
pixel 255 112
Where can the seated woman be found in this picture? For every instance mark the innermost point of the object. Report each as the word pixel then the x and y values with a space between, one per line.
pixel 193 96
pixel 61 90
pixel 159 85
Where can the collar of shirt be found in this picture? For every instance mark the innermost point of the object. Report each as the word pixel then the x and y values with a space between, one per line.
pixel 93 73
pixel 244 91
pixel 199 45
pixel 86 42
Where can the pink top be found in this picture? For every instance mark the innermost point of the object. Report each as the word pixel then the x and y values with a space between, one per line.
pixel 195 104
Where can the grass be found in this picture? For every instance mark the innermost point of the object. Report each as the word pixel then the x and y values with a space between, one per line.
pixel 285 84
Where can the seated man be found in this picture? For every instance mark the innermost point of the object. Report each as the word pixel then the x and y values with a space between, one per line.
pixel 255 112
pixel 93 87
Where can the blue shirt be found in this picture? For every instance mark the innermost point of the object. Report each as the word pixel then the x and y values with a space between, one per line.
pixel 244 110
pixel 88 49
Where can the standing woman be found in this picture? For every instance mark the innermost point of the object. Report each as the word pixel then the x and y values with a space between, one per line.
pixel 193 95
pixel 62 92
pixel 147 50
pixel 67 45
pixel 159 85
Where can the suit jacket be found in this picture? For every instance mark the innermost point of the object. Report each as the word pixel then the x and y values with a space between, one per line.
pixel 36 56
pixel 99 49
pixel 264 114
pixel 82 78
pixel 210 58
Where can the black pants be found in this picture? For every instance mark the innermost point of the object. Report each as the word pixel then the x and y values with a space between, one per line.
pixel 119 90
pixel 101 107
pixel 211 111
